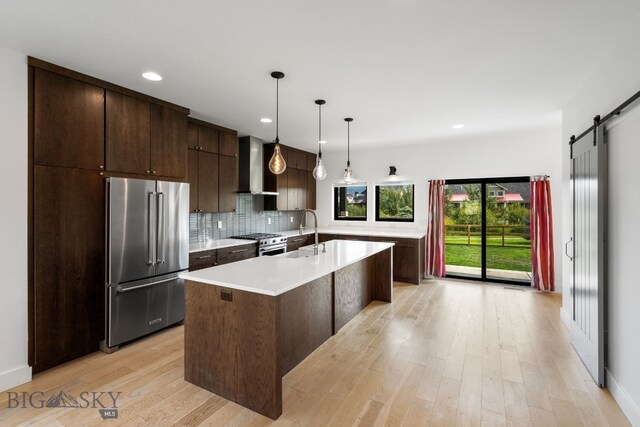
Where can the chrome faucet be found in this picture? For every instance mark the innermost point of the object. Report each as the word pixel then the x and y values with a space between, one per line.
pixel 303 217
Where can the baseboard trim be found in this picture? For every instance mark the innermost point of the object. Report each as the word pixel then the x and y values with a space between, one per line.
pixel 565 317
pixel 628 406
pixel 15 377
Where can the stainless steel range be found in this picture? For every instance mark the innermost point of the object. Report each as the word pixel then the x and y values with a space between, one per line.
pixel 268 243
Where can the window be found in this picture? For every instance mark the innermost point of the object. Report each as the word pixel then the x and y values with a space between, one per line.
pixel 394 202
pixel 500 193
pixel 492 193
pixel 350 203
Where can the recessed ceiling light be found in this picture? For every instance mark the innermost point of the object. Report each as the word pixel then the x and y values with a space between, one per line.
pixel 458 126
pixel 266 120
pixel 322 142
pixel 150 75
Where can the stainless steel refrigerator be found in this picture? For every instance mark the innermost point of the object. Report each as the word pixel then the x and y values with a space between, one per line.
pixel 148 245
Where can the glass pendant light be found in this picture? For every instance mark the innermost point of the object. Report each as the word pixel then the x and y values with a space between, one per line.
pixel 277 164
pixel 320 172
pixel 348 173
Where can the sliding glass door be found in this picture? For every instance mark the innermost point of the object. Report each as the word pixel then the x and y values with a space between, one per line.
pixel 487 229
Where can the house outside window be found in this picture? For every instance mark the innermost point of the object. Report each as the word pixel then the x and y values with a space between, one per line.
pixel 395 202
pixel 350 202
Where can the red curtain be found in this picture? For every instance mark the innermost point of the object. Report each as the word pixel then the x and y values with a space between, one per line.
pixel 542 235
pixel 435 230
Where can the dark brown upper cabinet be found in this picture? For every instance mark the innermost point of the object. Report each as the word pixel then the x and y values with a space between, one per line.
pixel 214 181
pixel 68 120
pixel 192 179
pixel 208 182
pixel 311 161
pixel 311 190
pixel 228 177
pixel 168 142
pixel 229 144
pixel 145 138
pixel 202 138
pixel 203 180
pixel 128 133
pixel 296 186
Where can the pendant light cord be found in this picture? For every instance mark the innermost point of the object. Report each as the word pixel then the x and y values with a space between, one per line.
pixel 319 130
pixel 277 109
pixel 348 144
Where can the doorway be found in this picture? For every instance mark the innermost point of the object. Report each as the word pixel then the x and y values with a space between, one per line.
pixel 487 229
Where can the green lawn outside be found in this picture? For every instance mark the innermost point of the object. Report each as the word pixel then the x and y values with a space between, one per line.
pixel 498 257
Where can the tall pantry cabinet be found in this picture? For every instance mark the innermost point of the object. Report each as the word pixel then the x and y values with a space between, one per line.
pixel 82 130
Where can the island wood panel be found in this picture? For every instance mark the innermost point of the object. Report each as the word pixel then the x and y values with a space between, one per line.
pixel 232 347
pixel 383 276
pixel 353 291
pixel 68 122
pixel 408 254
pixel 306 320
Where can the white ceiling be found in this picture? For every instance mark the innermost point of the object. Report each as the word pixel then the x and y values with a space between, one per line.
pixel 406 70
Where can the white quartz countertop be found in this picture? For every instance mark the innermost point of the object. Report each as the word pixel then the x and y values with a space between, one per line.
pixel 275 275
pixel 218 244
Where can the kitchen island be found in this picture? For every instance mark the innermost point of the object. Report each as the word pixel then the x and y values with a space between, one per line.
pixel 249 323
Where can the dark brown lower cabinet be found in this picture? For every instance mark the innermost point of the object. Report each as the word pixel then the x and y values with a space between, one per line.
pixel 213 257
pixel 296 242
pixel 237 253
pixel 68 287
pixel 408 254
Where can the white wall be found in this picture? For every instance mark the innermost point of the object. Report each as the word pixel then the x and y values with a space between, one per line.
pixel 615 80
pixel 524 153
pixel 13 220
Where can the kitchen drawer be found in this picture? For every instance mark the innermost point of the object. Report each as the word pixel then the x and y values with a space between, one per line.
pixel 399 241
pixel 324 237
pixel 237 253
pixel 203 259
pixel 296 242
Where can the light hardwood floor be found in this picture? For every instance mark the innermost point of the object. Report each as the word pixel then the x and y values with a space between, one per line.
pixel 445 353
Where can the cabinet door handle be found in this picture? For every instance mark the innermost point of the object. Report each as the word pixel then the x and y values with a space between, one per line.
pixel 238 251
pixel 153 172
pixel 204 257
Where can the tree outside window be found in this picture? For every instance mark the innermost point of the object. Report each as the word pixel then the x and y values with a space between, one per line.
pixel 395 202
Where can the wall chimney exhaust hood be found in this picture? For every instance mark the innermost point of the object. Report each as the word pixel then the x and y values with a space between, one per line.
pixel 251 167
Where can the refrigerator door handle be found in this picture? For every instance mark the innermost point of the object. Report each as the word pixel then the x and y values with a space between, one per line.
pixel 160 243
pixel 151 230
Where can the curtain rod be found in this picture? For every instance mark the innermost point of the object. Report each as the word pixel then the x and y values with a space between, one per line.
pixel 600 121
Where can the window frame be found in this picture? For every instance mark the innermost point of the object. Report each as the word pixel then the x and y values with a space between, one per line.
pixel 377 202
pixel 336 207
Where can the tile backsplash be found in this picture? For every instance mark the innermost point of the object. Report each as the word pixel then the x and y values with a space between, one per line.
pixel 250 217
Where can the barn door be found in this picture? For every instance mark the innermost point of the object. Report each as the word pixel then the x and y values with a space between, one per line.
pixel 588 184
